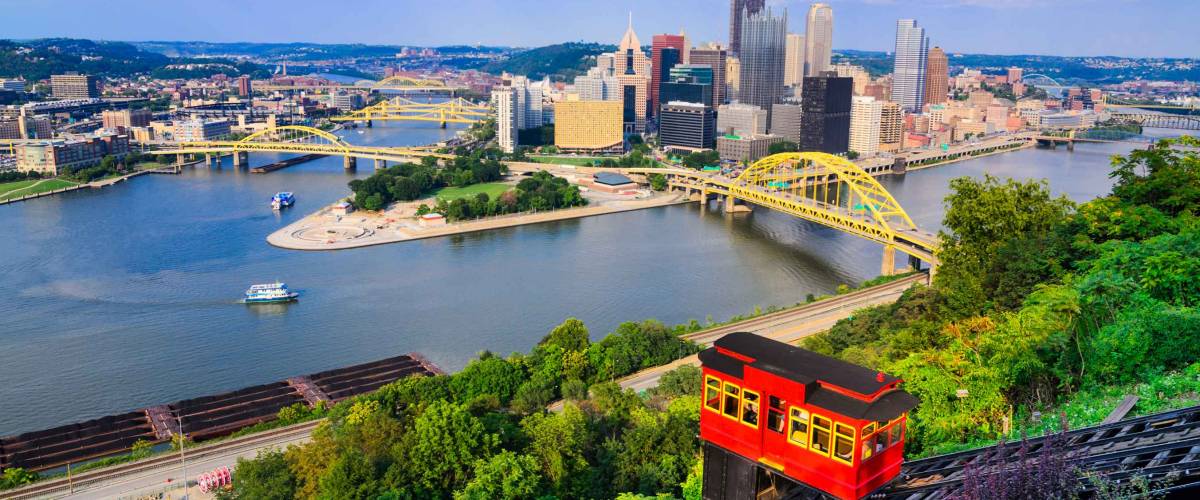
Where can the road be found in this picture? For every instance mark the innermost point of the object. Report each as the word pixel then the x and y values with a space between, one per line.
pixel 153 475
pixel 785 326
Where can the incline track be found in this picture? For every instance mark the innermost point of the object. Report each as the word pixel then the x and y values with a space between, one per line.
pixel 1154 446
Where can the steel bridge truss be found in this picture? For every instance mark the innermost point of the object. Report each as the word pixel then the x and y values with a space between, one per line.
pixel 457 110
pixel 301 140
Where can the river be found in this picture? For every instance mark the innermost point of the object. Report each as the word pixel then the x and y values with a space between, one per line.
pixel 128 297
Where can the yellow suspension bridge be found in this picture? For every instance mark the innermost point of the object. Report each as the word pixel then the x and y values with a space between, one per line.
pixel 457 110
pixel 302 140
pixel 816 187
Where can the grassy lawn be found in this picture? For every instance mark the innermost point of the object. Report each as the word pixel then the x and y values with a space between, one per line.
pixel 582 161
pixel 493 189
pixel 22 188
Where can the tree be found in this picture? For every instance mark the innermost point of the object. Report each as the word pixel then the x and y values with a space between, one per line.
pixel 443 446
pixel 571 335
pixel 505 475
pixel 782 147
pixel 658 182
pixel 265 477
pixel 981 216
pixel 682 381
pixel 352 476
pixel 852 155
pixel 558 442
pixel 487 375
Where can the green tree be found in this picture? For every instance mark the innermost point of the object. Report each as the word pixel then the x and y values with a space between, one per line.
pixel 352 477
pixel 782 147
pixel 445 442
pixel 505 475
pixel 266 477
pixel 571 335
pixel 559 442
pixel 658 182
pixel 487 375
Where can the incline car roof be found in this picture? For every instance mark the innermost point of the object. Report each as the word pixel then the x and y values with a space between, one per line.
pixel 807 367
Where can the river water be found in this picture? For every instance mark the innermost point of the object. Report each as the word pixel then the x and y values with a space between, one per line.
pixel 128 297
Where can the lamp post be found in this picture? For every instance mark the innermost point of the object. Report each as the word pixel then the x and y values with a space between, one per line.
pixel 182 459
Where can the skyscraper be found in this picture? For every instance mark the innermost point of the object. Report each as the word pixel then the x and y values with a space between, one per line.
pixel 673 45
pixel 688 83
pixel 760 79
pixel 505 101
pixel 793 67
pixel 937 76
pixel 713 57
pixel 865 116
pixel 818 39
pixel 908 74
pixel 825 116
pixel 244 86
pixel 736 9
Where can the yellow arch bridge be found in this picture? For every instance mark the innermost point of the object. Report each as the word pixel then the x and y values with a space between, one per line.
pixel 457 110
pixel 301 140
pixel 816 187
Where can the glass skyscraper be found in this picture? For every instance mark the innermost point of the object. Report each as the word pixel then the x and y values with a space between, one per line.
pixel 908 75
pixel 764 39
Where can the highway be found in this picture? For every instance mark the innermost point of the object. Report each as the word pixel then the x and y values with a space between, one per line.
pixel 153 475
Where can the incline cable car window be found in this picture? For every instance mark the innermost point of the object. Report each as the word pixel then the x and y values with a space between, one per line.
pixel 843 443
pixel 798 433
pixel 869 441
pixel 712 394
pixel 750 408
pixel 775 420
pixel 732 398
pixel 821 434
pixel 897 429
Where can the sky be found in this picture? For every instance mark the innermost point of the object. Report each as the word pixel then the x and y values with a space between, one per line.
pixel 1135 28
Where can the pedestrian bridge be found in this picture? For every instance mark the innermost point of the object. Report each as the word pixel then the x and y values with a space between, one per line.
pixel 300 140
pixel 816 187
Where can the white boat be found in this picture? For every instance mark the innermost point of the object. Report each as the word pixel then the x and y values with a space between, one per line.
pixel 270 293
pixel 283 199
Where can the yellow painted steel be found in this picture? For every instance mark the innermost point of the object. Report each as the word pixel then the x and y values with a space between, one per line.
pixel 822 188
pixel 404 81
pixel 305 140
pixel 452 111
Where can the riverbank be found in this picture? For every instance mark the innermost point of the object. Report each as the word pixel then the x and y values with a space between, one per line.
pixel 70 186
pixel 325 231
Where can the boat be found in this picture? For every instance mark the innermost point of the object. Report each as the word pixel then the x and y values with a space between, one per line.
pixel 268 293
pixel 283 199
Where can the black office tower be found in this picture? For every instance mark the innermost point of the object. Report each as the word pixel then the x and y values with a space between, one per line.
pixel 825 120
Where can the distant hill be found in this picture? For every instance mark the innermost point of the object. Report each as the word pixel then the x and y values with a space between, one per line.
pixel 299 51
pixel 562 62
pixel 1101 69
pixel 38 59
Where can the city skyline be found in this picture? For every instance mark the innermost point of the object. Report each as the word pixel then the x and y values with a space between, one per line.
pixel 960 26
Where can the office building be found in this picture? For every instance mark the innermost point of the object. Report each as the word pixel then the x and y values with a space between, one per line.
pixel 12 84
pixel 243 83
pixel 818 39
pixel 345 101
pixel 596 85
pixel 530 101
pixel 201 130
pixel 74 86
pixel 629 58
pixel 124 119
pixel 908 74
pixel 891 126
pixel 689 83
pixel 760 78
pixel 26 127
pixel 786 121
pixel 865 115
pixel 665 52
pixel 745 149
pixel 793 67
pixel 1014 75
pixel 826 114
pixel 504 99
pixel 741 119
pixel 715 58
pixel 736 9
pixel 686 125
pixel 937 76
pixel 588 126
pixel 51 158
pixel 634 90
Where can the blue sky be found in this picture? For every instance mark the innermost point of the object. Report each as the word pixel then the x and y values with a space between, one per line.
pixel 1155 28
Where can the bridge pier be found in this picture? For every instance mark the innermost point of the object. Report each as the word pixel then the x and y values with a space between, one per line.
pixel 208 160
pixel 731 205
pixel 368 123
pixel 380 164
pixel 889 261
pixel 239 157
pixel 349 162
pixel 179 160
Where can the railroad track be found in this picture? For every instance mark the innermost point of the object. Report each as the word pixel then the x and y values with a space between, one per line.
pixel 1165 445
pixel 80 482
